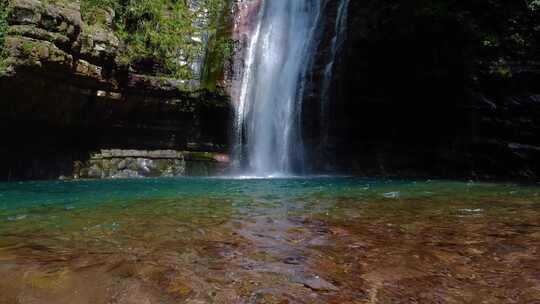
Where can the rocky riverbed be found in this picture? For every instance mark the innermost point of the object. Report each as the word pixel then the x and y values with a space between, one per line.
pixel 323 240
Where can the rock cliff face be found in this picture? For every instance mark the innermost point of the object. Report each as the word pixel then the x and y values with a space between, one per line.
pixel 65 93
pixel 437 89
pixel 420 88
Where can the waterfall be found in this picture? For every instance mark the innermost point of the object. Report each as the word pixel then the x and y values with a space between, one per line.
pixel 268 104
pixel 339 36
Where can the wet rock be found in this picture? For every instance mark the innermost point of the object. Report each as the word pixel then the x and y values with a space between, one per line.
pixel 25 11
pixel 469 133
pixel 392 195
pixel 160 85
pixel 119 163
pixel 266 297
pixel 295 260
pixel 88 70
pixel 179 288
pixel 30 31
pixel 122 164
pixel 131 292
pixel 61 17
pixel 93 172
pixel 64 72
pixel 99 43
pixel 49 281
pixel 318 284
pixel 35 53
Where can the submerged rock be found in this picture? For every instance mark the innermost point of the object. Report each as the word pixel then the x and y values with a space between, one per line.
pixel 318 284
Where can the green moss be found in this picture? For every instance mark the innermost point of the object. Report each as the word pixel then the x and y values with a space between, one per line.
pixel 88 7
pixel 201 156
pixel 27 48
pixel 3 32
pixel 220 48
pixel 161 31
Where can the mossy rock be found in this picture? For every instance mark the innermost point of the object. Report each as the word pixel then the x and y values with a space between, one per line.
pixel 25 51
pixel 201 156
pixel 29 31
pixel 58 17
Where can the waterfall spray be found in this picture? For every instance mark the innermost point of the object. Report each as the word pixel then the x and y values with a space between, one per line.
pixel 268 105
pixel 278 57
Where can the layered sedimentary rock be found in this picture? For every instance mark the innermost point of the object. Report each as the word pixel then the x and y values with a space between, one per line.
pixel 66 93
pixel 153 163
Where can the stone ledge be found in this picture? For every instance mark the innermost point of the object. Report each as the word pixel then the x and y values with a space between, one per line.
pixel 118 163
pixel 29 31
pixel 161 154
pixel 158 154
pixel 160 85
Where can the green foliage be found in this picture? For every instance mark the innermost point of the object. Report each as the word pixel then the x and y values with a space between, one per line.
pixel 161 31
pixel 27 48
pixel 534 4
pixel 220 47
pixel 226 47
pixel 3 31
pixel 89 7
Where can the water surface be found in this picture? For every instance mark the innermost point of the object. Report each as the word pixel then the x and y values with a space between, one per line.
pixel 299 240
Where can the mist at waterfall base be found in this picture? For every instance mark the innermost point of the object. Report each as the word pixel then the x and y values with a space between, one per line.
pixel 277 65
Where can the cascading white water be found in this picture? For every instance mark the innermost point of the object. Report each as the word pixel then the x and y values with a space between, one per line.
pixel 268 105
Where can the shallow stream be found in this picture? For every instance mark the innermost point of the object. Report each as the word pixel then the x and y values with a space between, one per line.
pixel 296 240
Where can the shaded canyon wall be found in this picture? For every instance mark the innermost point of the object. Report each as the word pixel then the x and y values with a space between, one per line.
pixel 436 88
